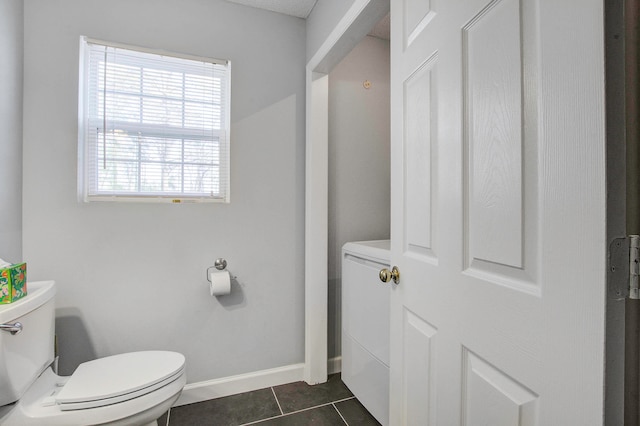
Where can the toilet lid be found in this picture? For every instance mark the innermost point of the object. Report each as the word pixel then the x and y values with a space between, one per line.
pixel 119 378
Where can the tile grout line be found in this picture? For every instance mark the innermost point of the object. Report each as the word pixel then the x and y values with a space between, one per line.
pixel 343 399
pixel 277 402
pixel 299 411
pixel 261 420
pixel 339 413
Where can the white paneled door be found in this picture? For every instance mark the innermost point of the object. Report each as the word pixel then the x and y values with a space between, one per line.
pixel 498 212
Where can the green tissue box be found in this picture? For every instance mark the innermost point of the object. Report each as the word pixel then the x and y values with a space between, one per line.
pixel 13 283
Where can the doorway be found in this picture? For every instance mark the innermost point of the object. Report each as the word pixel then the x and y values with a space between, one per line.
pixel 358 163
pixel 354 25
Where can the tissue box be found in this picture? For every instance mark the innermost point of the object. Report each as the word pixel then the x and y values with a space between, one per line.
pixel 13 283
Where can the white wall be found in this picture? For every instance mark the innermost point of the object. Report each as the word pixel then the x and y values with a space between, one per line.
pixel 132 276
pixel 11 40
pixel 359 182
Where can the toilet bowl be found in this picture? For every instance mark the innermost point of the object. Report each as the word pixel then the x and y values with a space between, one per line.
pixel 126 389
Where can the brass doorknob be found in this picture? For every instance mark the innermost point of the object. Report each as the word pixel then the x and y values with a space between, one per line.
pixel 388 275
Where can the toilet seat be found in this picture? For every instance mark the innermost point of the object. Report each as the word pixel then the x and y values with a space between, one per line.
pixel 119 378
pixel 30 410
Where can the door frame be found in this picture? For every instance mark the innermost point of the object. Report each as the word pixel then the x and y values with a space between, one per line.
pixel 621 320
pixel 352 27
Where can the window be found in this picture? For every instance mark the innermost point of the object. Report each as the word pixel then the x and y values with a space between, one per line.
pixel 153 126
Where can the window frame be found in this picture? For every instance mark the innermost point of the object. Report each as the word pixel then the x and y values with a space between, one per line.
pixel 84 141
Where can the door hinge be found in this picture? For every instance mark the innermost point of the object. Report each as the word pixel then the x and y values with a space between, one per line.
pixel 624 268
pixel 634 266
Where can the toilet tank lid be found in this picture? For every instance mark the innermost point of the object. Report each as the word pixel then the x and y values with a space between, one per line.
pixel 116 375
pixel 38 293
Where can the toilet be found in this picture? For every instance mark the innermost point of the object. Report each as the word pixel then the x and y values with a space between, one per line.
pixel 126 389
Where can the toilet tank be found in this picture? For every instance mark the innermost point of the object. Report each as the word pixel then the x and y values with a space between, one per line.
pixel 25 355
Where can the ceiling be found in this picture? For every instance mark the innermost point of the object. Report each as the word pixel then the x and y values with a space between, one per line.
pixel 299 8
pixel 382 28
pixel 302 8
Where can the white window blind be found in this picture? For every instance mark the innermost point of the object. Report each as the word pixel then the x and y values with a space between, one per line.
pixel 153 126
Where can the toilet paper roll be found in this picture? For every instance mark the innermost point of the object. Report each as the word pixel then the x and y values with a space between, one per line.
pixel 219 283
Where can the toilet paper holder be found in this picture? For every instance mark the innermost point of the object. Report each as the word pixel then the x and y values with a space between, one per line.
pixel 220 264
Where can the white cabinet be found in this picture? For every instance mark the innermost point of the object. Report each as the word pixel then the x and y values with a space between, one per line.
pixel 365 325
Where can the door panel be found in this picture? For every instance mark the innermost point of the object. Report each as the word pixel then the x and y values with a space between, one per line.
pixel 492 79
pixel 417 15
pixel 500 103
pixel 420 161
pixel 419 337
pixel 491 397
pixel 498 212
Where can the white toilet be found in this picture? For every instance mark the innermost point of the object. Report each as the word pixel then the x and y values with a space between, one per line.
pixel 127 389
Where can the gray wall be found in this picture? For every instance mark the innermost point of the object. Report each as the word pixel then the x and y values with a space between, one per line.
pixel 131 276
pixel 359 183
pixel 11 41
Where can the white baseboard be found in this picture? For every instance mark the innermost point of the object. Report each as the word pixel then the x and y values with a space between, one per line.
pixel 217 388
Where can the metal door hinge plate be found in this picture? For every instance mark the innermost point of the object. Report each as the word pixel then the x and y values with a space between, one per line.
pixel 634 266
pixel 624 268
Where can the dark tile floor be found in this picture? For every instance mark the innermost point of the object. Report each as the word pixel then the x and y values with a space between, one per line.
pixel 294 404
